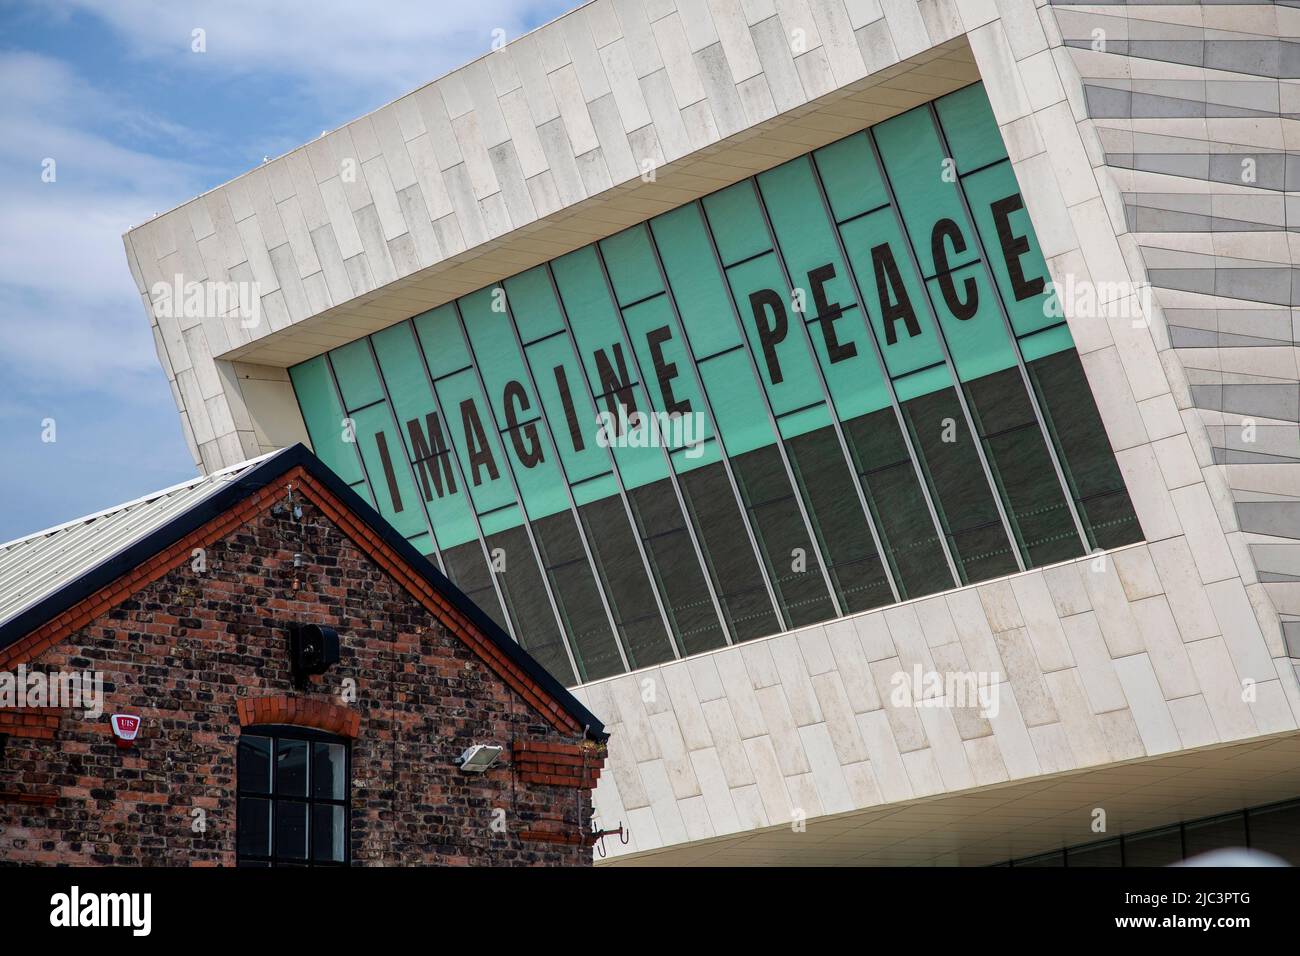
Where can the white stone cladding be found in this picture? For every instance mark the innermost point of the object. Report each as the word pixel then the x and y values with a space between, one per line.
pixel 536 148
pixel 1195 108
pixel 1132 655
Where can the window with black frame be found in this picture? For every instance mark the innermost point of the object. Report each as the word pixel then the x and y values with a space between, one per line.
pixel 294 785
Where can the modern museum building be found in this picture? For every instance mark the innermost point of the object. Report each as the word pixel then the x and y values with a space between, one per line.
pixel 880 414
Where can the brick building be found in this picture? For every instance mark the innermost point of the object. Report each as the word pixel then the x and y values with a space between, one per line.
pixel 177 609
pixel 961 339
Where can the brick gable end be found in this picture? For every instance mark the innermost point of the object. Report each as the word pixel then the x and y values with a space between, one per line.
pixel 198 654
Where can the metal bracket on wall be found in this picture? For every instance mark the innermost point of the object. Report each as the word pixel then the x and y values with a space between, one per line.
pixel 598 838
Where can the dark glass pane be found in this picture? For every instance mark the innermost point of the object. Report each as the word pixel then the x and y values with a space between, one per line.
pixel 254 826
pixel 725 542
pixel 1109 519
pixel 585 621
pixel 1022 468
pixel 1221 833
pixel 574 585
pixel 782 535
pixel 328 833
pixel 750 613
pixel 677 567
pixel 627 588
pixel 1158 848
pixel 1276 830
pixel 290 830
pixel 329 771
pixel 798 581
pixel 1085 450
pixel 962 496
pixel 291 768
pixel 1056 858
pixel 836 512
pixel 529 608
pixel 896 501
pixel 1106 853
pixel 468 570
pixel 254 765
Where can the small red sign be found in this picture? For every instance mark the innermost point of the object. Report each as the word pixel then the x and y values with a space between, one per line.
pixel 125 727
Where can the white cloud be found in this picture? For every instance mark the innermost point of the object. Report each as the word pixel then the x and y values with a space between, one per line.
pixel 385 48
pixel 69 312
pixel 75 342
pixel 68 306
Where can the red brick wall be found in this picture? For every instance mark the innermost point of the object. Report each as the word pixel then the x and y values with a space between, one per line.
pixel 193 653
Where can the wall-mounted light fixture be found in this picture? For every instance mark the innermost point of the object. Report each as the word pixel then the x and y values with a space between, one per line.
pixel 479 758
pixel 313 649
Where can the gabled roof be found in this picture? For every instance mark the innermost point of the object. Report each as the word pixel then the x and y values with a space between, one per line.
pixel 36 566
pixel 45 574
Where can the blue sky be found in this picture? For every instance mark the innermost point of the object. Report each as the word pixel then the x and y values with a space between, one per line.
pixel 137 123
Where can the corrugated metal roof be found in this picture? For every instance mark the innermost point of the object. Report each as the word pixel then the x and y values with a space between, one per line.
pixel 38 565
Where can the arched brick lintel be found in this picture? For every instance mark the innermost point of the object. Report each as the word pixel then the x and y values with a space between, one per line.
pixel 299 712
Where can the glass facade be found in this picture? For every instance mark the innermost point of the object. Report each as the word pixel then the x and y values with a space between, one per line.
pixel 1272 829
pixel 837 385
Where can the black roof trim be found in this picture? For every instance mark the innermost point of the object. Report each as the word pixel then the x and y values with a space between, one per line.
pixel 236 490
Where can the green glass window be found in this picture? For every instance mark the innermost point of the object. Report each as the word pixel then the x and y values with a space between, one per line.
pixel 614 381
pixel 333 439
pixel 843 380
pixel 664 355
